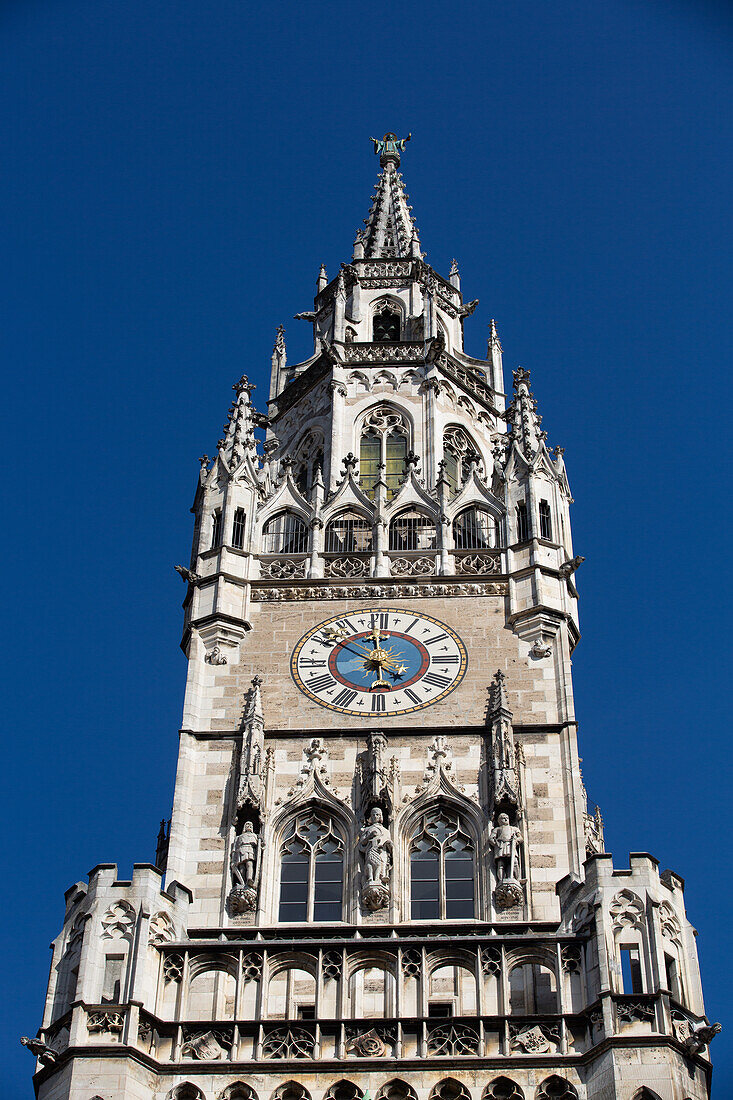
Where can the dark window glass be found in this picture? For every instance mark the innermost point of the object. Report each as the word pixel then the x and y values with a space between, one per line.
pixel 240 521
pixel 216 530
pixel 294 882
pixel 386 325
pixel 545 520
pixel 440 1009
pixel 522 522
pixel 442 874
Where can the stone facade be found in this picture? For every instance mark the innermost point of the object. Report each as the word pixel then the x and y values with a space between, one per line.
pixel 407 904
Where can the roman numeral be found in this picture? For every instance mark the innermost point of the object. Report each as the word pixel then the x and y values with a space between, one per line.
pixel 450 660
pixel 436 679
pixel 411 695
pixel 320 683
pixel 378 703
pixel 437 638
pixel 383 620
pixel 409 628
pixel 309 662
pixel 344 698
pixel 345 624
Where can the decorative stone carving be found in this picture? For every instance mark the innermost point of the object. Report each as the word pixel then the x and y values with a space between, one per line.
pixel 583 917
pixel 593 827
pixel 537 1039
pixel 504 777
pixel 629 1012
pixel 173 967
pixel 332 965
pixel 186 574
pixel 571 956
pixel 386 588
pixel 670 925
pixel 411 962
pixel 44 1053
pixel 251 968
pixel 508 894
pixel 368 1044
pixel 556 1088
pixel 375 845
pixel 412 567
pixel 540 650
pixel 206 1046
pixel 478 563
pixel 627 910
pixel 245 867
pixel 491 961
pixel 119 921
pixel 103 1022
pixel 162 929
pixel 347 566
pixel 701 1037
pixel 282 568
pixel 215 657
pixel 288 1042
pixel 452 1040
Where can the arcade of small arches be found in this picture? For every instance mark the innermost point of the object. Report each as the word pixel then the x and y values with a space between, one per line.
pixel 554 1087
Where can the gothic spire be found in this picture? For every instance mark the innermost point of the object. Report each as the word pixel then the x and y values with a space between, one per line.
pixel 390 228
pixel 239 428
pixel 499 701
pixel 523 418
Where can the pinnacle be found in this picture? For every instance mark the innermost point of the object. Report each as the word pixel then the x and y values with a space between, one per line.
pixel 499 699
pixel 523 418
pixel 390 227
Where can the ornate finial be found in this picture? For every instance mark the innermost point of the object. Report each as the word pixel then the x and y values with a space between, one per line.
pixel 349 462
pixel 494 341
pixel 243 386
pixel 454 267
pixel 412 460
pixel 389 148
pixel 499 700
pixel 204 462
pixel 256 681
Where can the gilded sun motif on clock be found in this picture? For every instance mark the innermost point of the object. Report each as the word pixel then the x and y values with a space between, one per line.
pixel 381 661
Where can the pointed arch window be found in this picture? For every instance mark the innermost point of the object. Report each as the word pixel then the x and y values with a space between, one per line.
pixel 308 460
pixel 386 323
pixel 475 529
pixel 545 521
pixel 442 867
pixel 412 530
pixel 458 451
pixel 311 869
pixel 285 533
pixel 348 533
pixel 384 442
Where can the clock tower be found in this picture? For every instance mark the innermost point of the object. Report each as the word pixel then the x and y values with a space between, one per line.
pixel 381 878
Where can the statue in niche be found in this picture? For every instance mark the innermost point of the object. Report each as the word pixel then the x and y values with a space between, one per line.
pixel 245 867
pixel 375 844
pixel 506 840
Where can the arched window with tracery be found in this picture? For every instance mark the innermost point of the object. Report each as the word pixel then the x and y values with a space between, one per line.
pixel 311 869
pixel 384 442
pixel 386 322
pixel 309 458
pixel 475 529
pixel 412 530
pixel 285 533
pixel 458 451
pixel 348 533
pixel 442 867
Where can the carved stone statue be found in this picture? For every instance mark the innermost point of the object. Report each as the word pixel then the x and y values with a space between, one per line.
pixel 375 844
pixel 506 840
pixel 245 869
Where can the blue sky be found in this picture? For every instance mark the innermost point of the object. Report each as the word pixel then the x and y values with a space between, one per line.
pixel 172 176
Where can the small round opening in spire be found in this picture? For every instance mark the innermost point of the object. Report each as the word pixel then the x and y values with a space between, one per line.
pixel 389 148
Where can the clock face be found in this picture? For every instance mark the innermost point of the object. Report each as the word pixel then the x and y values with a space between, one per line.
pixel 382 661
